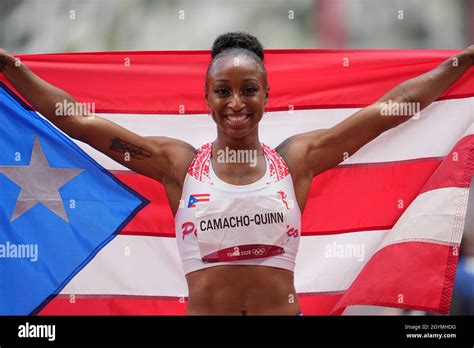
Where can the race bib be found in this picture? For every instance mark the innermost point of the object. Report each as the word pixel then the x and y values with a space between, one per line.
pixel 241 228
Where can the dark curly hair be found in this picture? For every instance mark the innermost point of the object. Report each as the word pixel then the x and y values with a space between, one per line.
pixel 237 40
pixel 236 43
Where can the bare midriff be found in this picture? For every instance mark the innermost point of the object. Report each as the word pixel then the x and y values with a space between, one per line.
pixel 242 290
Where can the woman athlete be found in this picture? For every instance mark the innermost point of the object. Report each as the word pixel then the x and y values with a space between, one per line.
pixel 229 269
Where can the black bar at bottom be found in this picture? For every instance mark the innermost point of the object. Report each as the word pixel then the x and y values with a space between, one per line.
pixel 411 330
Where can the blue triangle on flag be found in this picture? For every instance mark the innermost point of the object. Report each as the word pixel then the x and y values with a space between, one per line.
pixel 93 208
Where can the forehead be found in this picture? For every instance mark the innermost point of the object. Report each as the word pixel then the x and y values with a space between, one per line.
pixel 235 67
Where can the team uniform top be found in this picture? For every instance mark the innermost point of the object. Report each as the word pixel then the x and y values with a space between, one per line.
pixel 218 223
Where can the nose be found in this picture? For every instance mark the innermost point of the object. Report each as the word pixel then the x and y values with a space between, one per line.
pixel 235 102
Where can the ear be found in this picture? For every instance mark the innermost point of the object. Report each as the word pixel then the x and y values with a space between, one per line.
pixel 267 94
pixel 207 102
pixel 206 94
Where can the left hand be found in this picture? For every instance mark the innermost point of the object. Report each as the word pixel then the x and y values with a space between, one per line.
pixel 470 51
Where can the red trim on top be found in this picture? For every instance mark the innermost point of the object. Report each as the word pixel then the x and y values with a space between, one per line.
pixel 199 168
pixel 278 168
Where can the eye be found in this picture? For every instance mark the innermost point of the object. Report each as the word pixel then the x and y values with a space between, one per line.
pixel 221 91
pixel 250 90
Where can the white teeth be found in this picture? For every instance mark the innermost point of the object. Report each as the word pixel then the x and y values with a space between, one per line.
pixel 237 119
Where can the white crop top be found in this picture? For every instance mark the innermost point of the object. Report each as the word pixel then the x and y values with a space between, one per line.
pixel 218 223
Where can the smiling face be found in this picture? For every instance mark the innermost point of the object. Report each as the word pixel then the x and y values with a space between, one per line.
pixel 236 95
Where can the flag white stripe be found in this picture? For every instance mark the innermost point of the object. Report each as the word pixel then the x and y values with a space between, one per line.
pixel 433 135
pixel 132 265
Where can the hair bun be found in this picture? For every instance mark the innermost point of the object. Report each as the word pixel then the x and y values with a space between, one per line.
pixel 237 40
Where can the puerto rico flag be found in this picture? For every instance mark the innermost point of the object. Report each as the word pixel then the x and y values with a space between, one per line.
pixel 198 197
pixel 383 228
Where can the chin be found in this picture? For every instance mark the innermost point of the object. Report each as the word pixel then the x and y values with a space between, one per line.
pixel 237 134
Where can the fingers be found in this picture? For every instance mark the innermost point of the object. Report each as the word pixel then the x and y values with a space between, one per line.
pixel 470 50
pixel 6 59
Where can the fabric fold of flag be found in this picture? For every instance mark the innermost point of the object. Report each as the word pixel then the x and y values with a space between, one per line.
pixel 415 265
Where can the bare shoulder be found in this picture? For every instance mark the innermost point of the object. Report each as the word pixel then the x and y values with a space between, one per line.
pixel 295 149
pixel 179 155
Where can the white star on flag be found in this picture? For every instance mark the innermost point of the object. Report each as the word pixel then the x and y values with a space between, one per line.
pixel 39 183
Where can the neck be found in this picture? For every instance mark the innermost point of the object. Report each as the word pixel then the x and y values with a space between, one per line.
pixel 250 142
pixel 237 153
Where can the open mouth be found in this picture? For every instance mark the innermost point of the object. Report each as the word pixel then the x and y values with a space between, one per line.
pixel 237 119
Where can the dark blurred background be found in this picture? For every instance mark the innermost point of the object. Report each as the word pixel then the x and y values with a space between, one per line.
pixel 40 26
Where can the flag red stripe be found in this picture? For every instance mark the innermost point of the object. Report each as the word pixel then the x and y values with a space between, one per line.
pixel 115 305
pixel 347 199
pixel 379 191
pixel 311 304
pixel 172 82
pixel 154 219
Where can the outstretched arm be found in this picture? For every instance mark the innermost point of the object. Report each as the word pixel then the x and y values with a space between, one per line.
pixel 321 150
pixel 150 156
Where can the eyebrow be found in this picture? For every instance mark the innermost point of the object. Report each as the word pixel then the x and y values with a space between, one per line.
pixel 246 79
